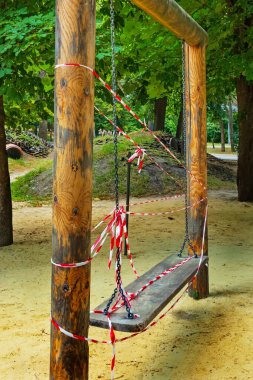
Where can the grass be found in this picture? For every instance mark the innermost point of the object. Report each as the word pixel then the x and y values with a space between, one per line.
pixel 19 165
pixel 27 162
pixel 214 183
pixel 21 187
pixel 217 149
pixel 124 146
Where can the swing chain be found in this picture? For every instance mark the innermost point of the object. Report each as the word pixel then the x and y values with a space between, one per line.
pixel 106 309
pixel 121 291
pixel 114 102
pixel 116 166
pixel 119 285
pixel 187 238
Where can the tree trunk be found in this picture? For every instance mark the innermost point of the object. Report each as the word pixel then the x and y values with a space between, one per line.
pixel 230 125
pixel 43 130
pixel 6 231
pixel 180 123
pixel 244 91
pixel 222 132
pixel 160 112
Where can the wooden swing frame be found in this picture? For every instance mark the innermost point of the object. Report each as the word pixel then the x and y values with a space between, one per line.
pixel 72 190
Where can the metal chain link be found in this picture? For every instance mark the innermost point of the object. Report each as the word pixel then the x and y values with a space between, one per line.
pixel 116 168
pixel 125 301
pixel 114 102
pixel 187 238
pixel 120 290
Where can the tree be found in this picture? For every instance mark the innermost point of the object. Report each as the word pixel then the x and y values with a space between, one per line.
pixel 160 113
pixel 147 73
pixel 231 123
pixel 6 235
pixel 22 43
pixel 230 56
pixel 222 132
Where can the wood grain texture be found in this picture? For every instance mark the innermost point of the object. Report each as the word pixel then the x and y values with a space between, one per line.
pixel 72 189
pixel 195 78
pixel 173 17
pixel 150 302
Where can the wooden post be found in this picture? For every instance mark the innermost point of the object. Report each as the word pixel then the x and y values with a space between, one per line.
pixel 174 18
pixel 72 203
pixel 195 80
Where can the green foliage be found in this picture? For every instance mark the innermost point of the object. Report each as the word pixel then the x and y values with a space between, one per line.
pixel 148 58
pixel 26 63
pixel 230 49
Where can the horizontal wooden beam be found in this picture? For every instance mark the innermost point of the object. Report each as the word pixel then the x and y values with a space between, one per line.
pixel 174 18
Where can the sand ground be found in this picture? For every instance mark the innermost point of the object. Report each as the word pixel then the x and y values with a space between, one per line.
pixel 209 339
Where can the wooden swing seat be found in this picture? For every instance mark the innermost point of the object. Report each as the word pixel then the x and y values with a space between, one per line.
pixel 151 301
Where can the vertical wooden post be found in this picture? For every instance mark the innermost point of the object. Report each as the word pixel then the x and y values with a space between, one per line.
pixel 72 203
pixel 195 77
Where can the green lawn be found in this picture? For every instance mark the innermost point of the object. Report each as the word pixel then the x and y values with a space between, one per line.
pixel 217 148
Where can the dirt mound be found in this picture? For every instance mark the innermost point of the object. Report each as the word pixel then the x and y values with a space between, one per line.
pixel 151 181
pixel 29 143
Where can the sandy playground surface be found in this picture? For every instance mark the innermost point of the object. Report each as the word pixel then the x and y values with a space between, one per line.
pixel 209 339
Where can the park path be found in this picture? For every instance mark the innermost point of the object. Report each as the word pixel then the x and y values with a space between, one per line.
pixel 225 157
pixel 19 173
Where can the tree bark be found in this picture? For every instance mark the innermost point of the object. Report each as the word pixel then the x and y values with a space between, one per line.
pixel 160 113
pixel 244 91
pixel 6 230
pixel 222 133
pixel 43 129
pixel 231 125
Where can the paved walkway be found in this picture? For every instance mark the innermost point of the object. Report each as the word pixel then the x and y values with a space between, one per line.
pixel 226 157
pixel 19 173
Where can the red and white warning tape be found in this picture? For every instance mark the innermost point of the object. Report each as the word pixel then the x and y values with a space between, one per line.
pixel 158 277
pixel 116 228
pixel 158 200
pixel 132 296
pixel 145 127
pixel 165 212
pixel 113 339
pixel 95 249
pixel 140 154
pixel 102 221
pixel 138 147
pixel 140 203
pixel 104 84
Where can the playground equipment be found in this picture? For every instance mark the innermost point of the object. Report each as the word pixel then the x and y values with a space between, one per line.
pixel 74 94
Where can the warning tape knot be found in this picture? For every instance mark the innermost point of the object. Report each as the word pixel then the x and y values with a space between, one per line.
pixel 140 154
